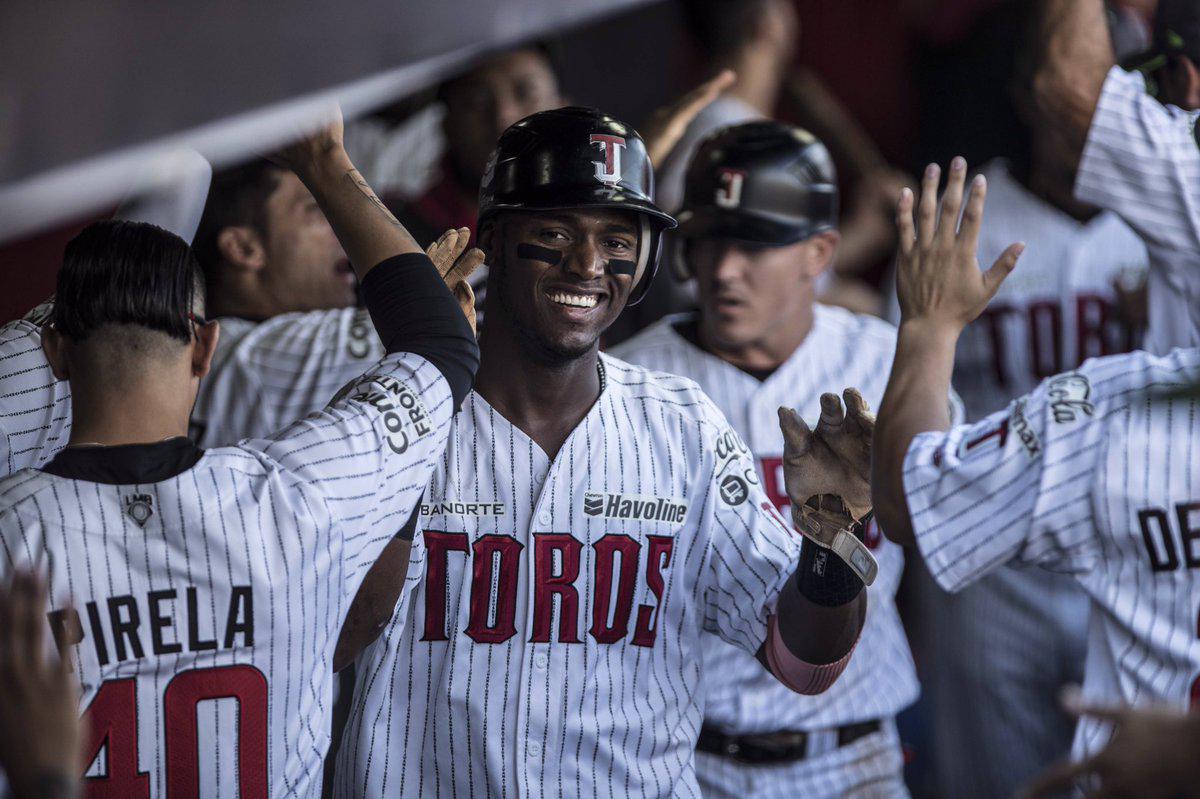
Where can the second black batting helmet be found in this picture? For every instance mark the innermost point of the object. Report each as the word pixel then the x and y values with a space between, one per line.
pixel 577 158
pixel 762 183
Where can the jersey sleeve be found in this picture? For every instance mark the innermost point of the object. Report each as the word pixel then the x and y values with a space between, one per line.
pixel 1016 486
pixel 1142 161
pixel 370 453
pixel 35 406
pixel 286 368
pixel 752 550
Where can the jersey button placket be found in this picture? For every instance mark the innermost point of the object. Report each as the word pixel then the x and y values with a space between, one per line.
pixel 537 660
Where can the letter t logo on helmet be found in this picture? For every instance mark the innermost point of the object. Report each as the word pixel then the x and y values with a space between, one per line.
pixel 608 171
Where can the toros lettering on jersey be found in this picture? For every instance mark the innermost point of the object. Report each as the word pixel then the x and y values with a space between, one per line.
pixel 624 569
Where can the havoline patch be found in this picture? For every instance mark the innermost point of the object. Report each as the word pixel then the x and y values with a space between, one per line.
pixel 635 507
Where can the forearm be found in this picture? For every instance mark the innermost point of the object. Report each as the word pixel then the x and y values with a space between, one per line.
pixel 1076 56
pixel 814 633
pixel 375 602
pixel 914 402
pixel 367 230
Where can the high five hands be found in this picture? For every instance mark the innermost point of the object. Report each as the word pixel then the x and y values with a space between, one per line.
pixel 938 279
pixel 827 476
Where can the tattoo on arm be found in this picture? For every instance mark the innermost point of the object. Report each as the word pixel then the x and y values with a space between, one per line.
pixel 360 183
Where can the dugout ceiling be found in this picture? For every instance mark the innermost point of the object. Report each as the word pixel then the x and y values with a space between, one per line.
pixel 93 91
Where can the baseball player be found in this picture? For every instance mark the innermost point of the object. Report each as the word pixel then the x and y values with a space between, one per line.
pixel 1137 150
pixel 284 293
pixel 589 520
pixel 1093 473
pixel 35 407
pixel 1059 309
pixel 209 586
pixel 759 221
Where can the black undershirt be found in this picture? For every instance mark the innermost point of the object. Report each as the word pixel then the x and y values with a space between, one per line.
pixel 690 330
pixel 126 464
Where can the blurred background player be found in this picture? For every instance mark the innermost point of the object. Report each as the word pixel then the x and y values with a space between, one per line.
pixel 128 332
pixel 286 296
pixel 1067 303
pixel 1133 136
pixel 1091 474
pixel 759 226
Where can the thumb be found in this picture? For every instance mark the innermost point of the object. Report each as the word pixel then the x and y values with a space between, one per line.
pixel 1004 265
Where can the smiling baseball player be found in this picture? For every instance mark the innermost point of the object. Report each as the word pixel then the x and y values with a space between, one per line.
pixel 760 221
pixel 1093 473
pixel 590 519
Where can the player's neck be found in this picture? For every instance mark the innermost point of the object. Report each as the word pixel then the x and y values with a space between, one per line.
pixel 120 413
pixel 543 398
pixel 769 351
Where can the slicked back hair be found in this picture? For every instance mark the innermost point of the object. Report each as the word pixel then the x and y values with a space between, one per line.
pixel 118 272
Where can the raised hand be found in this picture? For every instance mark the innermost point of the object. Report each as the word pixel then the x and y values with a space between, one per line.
pixel 39 704
pixel 667 125
pixel 826 472
pixel 311 145
pixel 455 266
pixel 1152 755
pixel 938 278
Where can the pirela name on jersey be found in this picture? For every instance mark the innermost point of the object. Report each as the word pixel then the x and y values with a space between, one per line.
pixel 635 507
pixel 121 628
pixel 403 412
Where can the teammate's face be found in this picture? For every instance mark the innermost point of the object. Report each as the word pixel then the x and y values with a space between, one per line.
pixel 304 266
pixel 748 294
pixel 559 290
pixel 484 103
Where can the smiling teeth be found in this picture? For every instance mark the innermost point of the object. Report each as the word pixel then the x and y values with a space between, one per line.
pixel 576 300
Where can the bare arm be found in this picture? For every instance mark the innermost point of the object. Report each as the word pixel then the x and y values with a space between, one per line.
pixel 367 230
pixel 1075 57
pixel 941 289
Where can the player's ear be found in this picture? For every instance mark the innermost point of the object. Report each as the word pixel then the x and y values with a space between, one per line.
pixel 52 346
pixel 204 347
pixel 242 247
pixel 821 249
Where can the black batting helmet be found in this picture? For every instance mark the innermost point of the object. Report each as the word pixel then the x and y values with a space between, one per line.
pixel 762 183
pixel 577 158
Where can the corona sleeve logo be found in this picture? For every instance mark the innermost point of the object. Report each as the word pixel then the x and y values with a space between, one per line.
pixel 608 171
pixel 729 187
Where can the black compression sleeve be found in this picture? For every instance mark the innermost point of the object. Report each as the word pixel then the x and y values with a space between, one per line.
pixel 824 578
pixel 413 311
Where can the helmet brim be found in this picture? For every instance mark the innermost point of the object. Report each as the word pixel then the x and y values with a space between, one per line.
pixel 557 199
pixel 714 223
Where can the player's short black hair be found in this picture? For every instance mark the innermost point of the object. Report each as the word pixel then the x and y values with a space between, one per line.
pixel 119 272
pixel 721 27
pixel 237 197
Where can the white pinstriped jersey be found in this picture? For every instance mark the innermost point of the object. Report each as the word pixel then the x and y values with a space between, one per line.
pixel 265 374
pixel 1057 309
pixel 208 604
pixel 1142 161
pixel 841 350
pixel 35 407
pixel 1096 474
pixel 552 645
